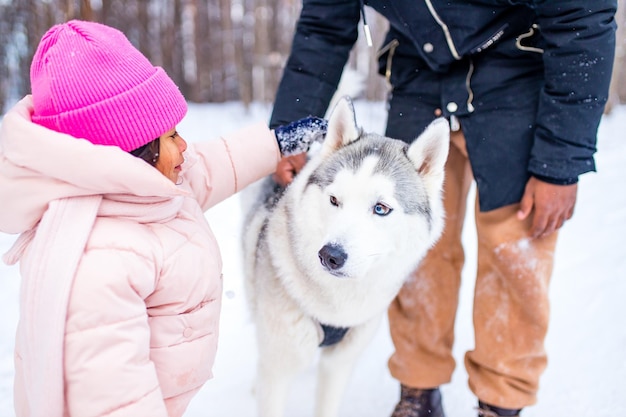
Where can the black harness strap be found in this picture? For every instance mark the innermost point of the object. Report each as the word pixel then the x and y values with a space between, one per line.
pixel 332 335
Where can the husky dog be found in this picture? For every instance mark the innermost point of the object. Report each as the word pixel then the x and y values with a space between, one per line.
pixel 325 257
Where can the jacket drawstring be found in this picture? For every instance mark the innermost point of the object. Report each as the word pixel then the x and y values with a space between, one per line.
pixel 520 38
pixel 468 86
pixel 391 47
pixel 446 30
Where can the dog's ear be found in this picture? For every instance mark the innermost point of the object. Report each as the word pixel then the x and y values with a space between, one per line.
pixel 429 153
pixel 342 127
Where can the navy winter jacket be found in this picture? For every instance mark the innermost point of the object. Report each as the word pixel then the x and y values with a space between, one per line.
pixel 528 80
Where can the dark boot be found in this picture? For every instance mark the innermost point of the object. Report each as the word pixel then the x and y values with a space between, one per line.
pixel 486 410
pixel 415 402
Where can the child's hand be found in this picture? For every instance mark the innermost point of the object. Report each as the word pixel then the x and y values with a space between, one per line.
pixel 297 137
pixel 287 169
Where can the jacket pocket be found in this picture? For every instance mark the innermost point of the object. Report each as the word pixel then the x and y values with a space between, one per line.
pixel 183 348
pixel 166 331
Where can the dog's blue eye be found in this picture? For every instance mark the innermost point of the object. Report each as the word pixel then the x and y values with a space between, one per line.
pixel 334 201
pixel 382 210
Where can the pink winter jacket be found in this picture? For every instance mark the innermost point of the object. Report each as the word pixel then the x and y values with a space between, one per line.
pixel 121 274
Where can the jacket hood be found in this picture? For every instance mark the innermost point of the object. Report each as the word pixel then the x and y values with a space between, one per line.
pixel 38 165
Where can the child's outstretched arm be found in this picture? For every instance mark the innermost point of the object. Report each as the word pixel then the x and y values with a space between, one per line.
pixel 216 169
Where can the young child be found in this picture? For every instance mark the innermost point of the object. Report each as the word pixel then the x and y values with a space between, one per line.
pixel 122 285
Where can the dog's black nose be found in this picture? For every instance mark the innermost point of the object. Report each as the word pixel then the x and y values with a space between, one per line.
pixel 332 256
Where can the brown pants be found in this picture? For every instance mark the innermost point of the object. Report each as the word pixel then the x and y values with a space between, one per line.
pixel 511 306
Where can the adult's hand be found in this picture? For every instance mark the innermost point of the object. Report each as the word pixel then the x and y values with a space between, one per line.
pixel 288 167
pixel 550 204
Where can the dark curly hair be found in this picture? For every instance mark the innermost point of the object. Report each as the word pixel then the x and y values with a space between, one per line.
pixel 148 152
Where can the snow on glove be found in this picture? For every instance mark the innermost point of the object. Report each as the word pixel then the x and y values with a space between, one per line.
pixel 297 137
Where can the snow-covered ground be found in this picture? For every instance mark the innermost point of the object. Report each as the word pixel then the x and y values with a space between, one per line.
pixel 586 374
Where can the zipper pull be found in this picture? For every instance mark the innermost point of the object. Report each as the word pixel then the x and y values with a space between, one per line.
pixel 368 34
pixel 366 27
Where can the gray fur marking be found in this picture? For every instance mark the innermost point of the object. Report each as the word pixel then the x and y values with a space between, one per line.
pixel 391 163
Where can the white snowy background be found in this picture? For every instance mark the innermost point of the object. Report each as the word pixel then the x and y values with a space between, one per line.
pixel 586 374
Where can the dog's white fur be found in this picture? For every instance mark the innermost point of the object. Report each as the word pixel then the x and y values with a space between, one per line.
pixel 325 252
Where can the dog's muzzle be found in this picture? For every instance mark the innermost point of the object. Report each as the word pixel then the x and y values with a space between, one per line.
pixel 332 257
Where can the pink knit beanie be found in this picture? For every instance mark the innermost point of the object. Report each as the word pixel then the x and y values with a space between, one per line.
pixel 90 82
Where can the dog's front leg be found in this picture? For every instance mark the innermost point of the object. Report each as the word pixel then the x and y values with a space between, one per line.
pixel 272 389
pixel 336 365
pixel 287 345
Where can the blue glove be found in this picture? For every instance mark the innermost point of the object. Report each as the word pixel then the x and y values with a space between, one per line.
pixel 297 137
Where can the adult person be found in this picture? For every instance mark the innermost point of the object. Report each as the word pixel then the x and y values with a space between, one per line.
pixel 121 274
pixel 524 85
